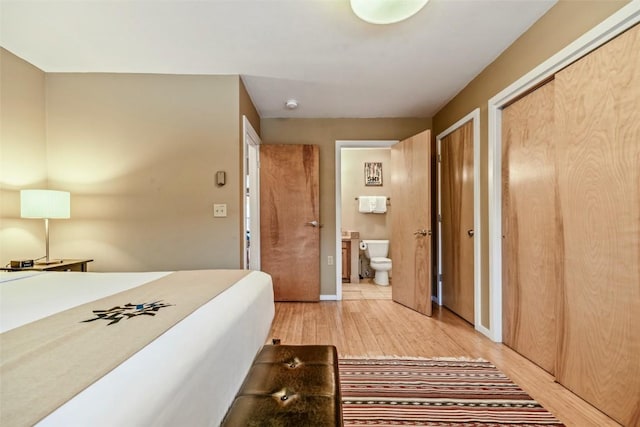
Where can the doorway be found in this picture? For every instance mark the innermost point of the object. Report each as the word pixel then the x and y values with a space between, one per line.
pixel 251 199
pixel 365 289
pixel 365 172
pixel 409 193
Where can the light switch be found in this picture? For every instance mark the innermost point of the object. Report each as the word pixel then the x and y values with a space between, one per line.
pixel 220 210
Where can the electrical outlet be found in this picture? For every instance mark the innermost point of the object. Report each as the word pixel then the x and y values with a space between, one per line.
pixel 220 210
pixel 330 260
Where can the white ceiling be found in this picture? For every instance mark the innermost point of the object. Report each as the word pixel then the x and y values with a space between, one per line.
pixel 315 51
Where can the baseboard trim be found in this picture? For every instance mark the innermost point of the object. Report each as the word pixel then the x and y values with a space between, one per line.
pixel 329 298
pixel 486 332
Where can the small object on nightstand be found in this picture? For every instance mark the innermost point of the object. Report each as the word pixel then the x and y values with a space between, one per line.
pixel 21 263
pixel 64 265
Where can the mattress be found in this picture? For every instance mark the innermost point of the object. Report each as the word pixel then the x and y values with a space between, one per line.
pixel 187 376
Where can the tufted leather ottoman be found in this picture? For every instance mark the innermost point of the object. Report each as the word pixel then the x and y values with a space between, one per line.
pixel 289 385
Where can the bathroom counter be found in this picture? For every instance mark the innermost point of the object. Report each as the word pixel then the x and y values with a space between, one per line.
pixel 350 259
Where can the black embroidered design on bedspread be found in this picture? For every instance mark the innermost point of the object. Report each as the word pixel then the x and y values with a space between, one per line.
pixel 128 311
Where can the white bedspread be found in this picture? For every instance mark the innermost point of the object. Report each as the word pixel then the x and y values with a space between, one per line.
pixel 186 377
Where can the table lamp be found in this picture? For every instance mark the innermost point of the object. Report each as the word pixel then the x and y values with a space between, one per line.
pixel 45 204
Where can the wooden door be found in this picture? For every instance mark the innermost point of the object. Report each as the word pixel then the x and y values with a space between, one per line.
pixel 289 220
pixel 532 244
pixel 411 222
pixel 598 132
pixel 457 221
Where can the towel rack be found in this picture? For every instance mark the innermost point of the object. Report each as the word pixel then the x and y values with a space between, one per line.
pixel 388 200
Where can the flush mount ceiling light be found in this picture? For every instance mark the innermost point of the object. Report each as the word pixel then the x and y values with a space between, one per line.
pixel 386 11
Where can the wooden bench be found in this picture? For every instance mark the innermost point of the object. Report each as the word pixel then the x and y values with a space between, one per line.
pixel 289 385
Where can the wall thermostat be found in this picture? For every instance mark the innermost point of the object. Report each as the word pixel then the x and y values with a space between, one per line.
pixel 220 178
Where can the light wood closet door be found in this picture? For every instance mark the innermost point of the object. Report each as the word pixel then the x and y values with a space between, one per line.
pixel 457 221
pixel 532 244
pixel 598 132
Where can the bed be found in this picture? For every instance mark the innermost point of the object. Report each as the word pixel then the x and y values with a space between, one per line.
pixel 188 375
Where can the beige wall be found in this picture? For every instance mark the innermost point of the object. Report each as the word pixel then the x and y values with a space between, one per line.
pixel 23 154
pixel 139 154
pixel 564 23
pixel 370 226
pixel 325 133
pixel 248 109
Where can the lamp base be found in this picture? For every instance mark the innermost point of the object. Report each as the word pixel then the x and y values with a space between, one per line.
pixel 51 261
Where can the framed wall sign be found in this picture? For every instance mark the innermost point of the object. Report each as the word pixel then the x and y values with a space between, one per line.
pixel 373 173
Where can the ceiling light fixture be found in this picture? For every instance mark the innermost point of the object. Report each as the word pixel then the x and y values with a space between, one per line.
pixel 386 11
pixel 291 104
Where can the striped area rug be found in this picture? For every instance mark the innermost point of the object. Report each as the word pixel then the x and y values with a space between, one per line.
pixel 434 392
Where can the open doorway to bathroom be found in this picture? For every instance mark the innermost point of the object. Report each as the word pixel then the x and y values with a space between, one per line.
pixel 251 174
pixel 362 170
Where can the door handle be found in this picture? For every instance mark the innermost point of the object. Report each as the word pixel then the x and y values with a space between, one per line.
pixel 313 223
pixel 470 233
pixel 422 232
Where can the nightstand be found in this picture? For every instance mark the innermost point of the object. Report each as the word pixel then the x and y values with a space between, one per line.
pixel 65 265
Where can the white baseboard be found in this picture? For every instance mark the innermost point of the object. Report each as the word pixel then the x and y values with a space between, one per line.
pixel 329 298
pixel 486 332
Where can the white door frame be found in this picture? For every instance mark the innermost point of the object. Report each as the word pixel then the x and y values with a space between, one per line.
pixel 340 144
pixel 625 18
pixel 251 167
pixel 473 117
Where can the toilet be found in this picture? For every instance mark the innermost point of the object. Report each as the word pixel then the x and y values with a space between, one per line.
pixel 377 251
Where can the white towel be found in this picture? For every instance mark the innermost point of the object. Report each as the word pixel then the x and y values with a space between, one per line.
pixel 380 205
pixel 366 204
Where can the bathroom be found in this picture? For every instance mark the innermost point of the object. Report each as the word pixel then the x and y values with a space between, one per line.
pixel 365 172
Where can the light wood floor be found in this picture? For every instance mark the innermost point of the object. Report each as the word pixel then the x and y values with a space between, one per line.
pixel 385 328
pixel 366 289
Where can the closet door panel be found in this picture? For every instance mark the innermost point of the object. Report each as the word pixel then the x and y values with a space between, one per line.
pixel 457 220
pixel 531 246
pixel 598 133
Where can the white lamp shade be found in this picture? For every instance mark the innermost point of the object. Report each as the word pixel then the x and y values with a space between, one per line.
pixel 386 11
pixel 45 204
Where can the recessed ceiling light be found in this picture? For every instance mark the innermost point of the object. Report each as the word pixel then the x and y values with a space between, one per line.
pixel 386 11
pixel 291 104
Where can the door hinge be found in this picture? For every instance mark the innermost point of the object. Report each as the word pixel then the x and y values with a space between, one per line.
pixel 439 158
pixel 439 218
pixel 439 277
